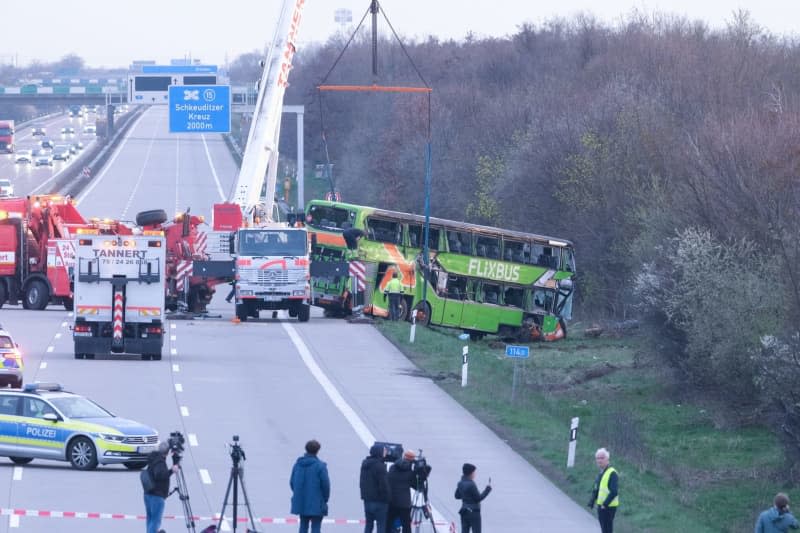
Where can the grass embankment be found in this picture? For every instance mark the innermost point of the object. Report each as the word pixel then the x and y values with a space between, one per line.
pixel 682 467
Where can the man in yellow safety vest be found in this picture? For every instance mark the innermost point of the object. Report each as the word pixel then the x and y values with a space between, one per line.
pixel 605 493
pixel 393 290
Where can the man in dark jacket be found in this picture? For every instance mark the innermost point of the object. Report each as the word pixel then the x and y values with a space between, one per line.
pixel 402 478
pixel 467 492
pixel 777 519
pixel 155 499
pixel 311 488
pixel 374 486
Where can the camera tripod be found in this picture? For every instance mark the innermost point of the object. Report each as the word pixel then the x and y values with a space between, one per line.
pixel 236 479
pixel 183 495
pixel 421 509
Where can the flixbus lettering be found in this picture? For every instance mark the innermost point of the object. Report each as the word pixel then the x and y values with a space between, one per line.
pixel 494 270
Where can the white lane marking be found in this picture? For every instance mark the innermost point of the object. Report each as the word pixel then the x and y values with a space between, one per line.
pixel 173 337
pixel 58 335
pixel 178 387
pixel 13 520
pixel 63 324
pixel 173 351
pixel 176 368
pixel 42 365
pixel 330 389
pixel 48 180
pixel 184 410
pixel 204 475
pixel 142 172
pixel 50 349
pixel 17 475
pixel 355 421
pixel 173 326
pixel 193 440
pixel 213 170
pixel 96 181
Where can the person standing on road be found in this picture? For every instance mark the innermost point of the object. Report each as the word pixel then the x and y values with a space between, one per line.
pixel 311 488
pixel 374 486
pixel 394 290
pixel 155 499
pixel 404 476
pixel 605 493
pixel 777 519
pixel 467 492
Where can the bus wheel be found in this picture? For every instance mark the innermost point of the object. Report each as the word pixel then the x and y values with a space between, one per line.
pixel 404 314
pixel 423 313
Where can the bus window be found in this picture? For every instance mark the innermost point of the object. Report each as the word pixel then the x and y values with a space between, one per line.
pixel 416 237
pixel 459 242
pixel 569 260
pixel 545 255
pixel 542 300
pixel 456 287
pixel 384 231
pixel 487 246
pixel 491 293
pixel 513 296
pixel 514 251
pixel 329 217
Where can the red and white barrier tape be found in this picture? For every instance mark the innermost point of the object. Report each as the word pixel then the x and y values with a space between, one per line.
pixel 118 516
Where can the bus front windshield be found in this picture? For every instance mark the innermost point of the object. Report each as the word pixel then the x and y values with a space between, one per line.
pixel 266 242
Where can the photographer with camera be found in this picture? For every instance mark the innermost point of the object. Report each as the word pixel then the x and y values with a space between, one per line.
pixel 408 472
pixel 156 495
pixel 374 486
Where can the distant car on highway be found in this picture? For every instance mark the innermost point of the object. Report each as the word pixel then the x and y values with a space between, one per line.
pixel 43 421
pixel 24 156
pixel 47 143
pixel 11 358
pixel 6 188
pixel 67 130
pixel 90 129
pixel 38 130
pixel 75 147
pixel 61 152
pixel 43 157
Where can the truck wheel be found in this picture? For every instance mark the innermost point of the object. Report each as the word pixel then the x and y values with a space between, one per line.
pixel 241 312
pixel 304 313
pixel 3 294
pixel 36 295
pixel 69 304
pixel 151 218
pixel 293 311
pixel 79 355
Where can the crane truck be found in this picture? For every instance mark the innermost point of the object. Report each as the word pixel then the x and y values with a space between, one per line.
pixel 269 259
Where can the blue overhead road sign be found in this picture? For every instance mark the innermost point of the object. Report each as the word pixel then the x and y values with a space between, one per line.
pixel 199 108
pixel 520 352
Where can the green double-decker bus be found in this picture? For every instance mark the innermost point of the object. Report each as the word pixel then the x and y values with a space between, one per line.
pixel 480 279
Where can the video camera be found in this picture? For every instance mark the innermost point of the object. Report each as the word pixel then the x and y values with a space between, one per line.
pixel 237 453
pixel 176 442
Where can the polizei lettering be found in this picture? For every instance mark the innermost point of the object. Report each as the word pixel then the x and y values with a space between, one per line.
pixel 135 254
pixel 42 433
pixel 494 270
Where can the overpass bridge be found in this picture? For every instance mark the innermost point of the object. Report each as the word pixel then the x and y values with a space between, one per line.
pixel 243 98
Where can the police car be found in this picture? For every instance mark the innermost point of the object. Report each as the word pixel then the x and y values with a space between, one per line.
pixel 43 421
pixel 11 365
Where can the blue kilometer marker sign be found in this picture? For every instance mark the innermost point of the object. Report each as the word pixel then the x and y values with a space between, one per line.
pixel 199 108
pixel 520 352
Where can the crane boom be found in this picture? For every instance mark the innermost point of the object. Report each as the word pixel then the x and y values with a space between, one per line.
pixel 261 152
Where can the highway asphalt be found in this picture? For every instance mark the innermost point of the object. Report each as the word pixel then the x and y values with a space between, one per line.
pixel 274 382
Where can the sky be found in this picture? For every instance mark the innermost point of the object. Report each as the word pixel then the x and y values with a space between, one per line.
pixel 113 34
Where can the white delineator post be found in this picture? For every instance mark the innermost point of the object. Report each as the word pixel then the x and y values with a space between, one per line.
pixel 464 366
pixel 413 326
pixel 573 441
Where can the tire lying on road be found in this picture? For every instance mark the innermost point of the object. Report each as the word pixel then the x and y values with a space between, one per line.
pixel 150 218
